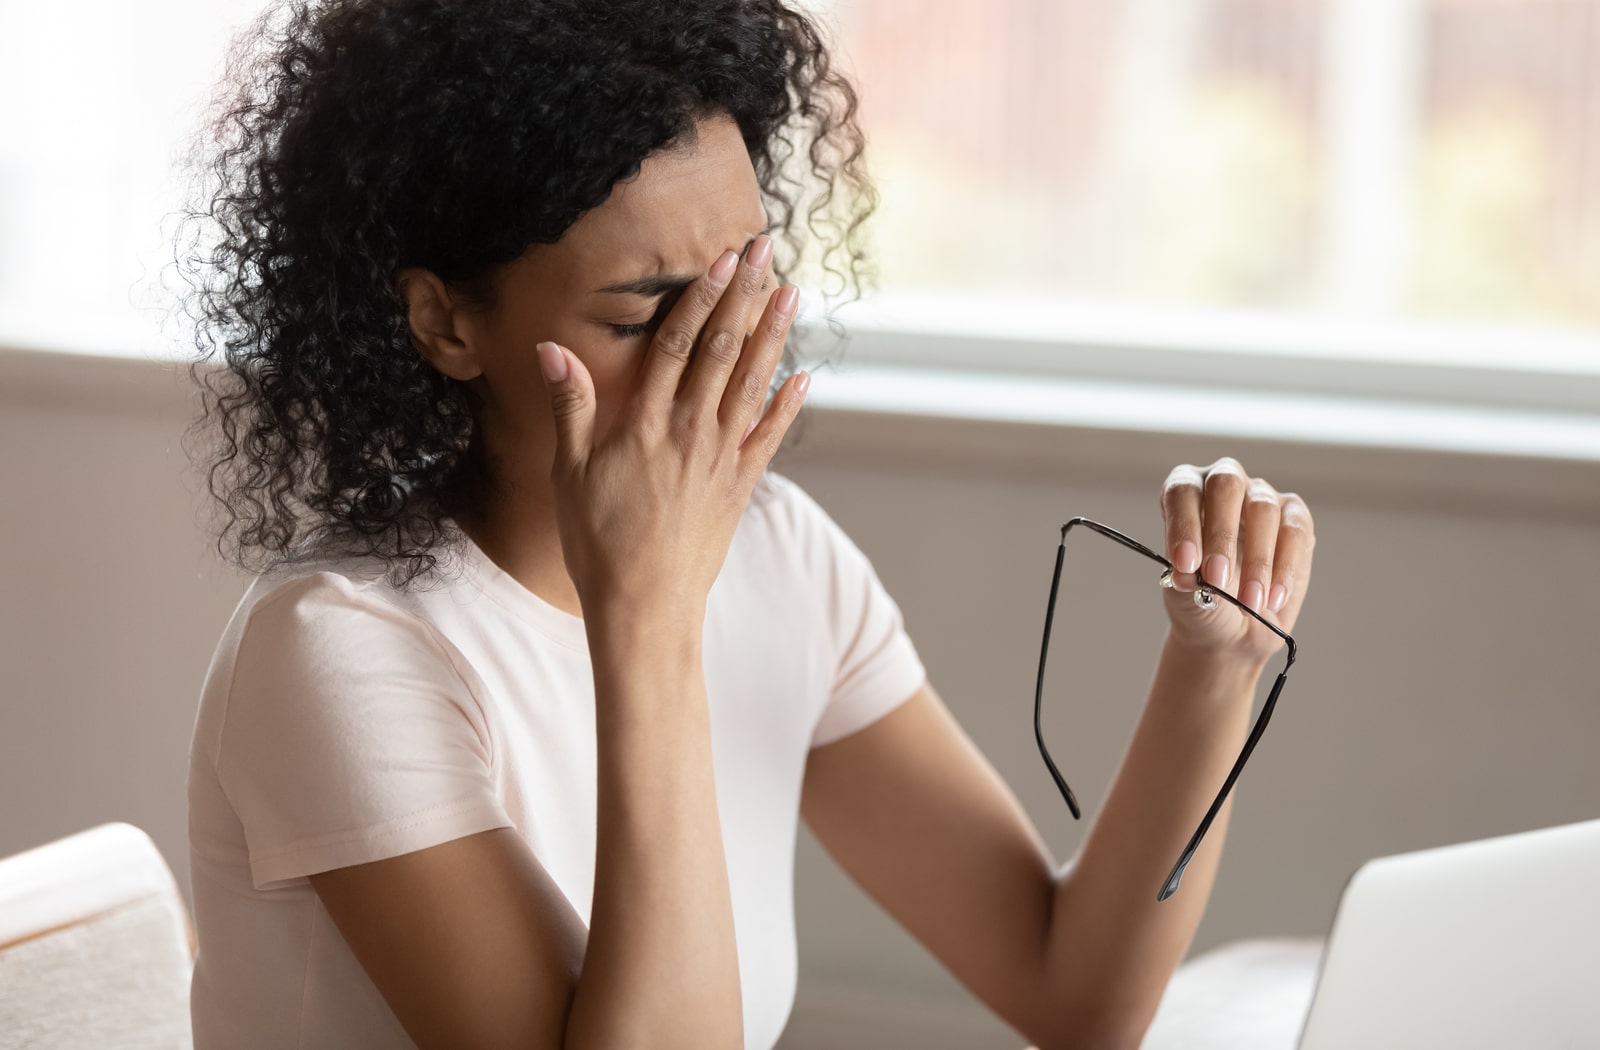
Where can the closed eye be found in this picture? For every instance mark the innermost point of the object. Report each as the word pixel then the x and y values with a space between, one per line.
pixel 634 331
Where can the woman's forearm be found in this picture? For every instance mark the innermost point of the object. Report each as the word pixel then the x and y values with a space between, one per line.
pixel 661 968
pixel 1112 946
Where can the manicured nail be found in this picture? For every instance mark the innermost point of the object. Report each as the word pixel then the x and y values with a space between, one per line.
pixel 1280 595
pixel 721 271
pixel 552 362
pixel 1217 570
pixel 1251 595
pixel 802 384
pixel 760 252
pixel 788 299
pixel 1187 557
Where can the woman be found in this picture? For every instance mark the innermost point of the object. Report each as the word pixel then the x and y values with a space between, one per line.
pixel 507 742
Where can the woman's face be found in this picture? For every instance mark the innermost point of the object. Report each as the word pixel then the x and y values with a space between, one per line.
pixel 611 270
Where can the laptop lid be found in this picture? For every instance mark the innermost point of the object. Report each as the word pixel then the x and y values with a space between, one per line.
pixel 1488 944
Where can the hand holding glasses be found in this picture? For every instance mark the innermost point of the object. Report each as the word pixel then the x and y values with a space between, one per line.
pixel 1205 595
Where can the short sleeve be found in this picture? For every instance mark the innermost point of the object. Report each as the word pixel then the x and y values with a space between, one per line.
pixel 349 734
pixel 876 666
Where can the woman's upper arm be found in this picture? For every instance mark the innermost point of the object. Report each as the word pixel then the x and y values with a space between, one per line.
pixel 470 942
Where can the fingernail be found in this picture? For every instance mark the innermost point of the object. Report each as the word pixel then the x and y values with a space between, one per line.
pixel 748 430
pixel 1217 570
pixel 760 252
pixel 551 362
pixel 802 384
pixel 788 299
pixel 721 271
pixel 1280 595
pixel 1186 558
pixel 1251 595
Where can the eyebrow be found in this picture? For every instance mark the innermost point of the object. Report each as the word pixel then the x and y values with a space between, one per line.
pixel 655 284
pixel 658 284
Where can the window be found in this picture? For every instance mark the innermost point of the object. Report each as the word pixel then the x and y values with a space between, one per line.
pixel 1230 161
pixel 1395 198
pixel 97 98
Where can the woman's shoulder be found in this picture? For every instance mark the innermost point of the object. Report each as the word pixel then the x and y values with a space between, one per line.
pixel 315 643
pixel 323 571
pixel 327 599
pixel 798 521
pixel 785 505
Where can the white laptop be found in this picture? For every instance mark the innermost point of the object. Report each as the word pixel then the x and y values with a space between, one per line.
pixel 1489 944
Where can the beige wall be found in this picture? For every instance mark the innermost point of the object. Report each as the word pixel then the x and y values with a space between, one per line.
pixel 1448 685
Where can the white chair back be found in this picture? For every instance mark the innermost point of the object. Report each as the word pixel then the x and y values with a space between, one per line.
pixel 96 945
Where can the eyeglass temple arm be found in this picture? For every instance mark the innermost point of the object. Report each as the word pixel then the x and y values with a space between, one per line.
pixel 1170 887
pixel 1044 646
pixel 1110 533
pixel 1038 689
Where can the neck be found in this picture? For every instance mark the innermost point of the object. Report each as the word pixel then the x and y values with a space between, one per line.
pixel 515 527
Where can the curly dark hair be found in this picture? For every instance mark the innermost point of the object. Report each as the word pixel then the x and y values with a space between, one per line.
pixel 355 138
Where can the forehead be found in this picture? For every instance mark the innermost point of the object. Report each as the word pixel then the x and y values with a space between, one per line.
pixel 686 205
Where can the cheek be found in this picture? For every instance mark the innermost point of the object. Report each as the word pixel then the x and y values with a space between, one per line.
pixel 616 371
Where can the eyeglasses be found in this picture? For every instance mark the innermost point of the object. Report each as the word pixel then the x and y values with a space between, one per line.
pixel 1206 595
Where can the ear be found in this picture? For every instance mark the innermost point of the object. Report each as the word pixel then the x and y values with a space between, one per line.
pixel 436 329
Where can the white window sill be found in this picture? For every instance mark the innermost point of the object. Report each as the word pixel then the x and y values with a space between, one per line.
pixel 1430 416
pixel 1252 415
pixel 1427 457
pixel 1429 451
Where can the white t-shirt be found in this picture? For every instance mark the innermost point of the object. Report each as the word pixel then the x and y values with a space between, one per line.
pixel 344 721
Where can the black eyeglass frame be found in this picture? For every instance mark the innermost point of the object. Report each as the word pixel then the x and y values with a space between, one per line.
pixel 1205 593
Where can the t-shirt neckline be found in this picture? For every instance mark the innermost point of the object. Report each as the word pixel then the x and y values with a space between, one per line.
pixel 556 624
